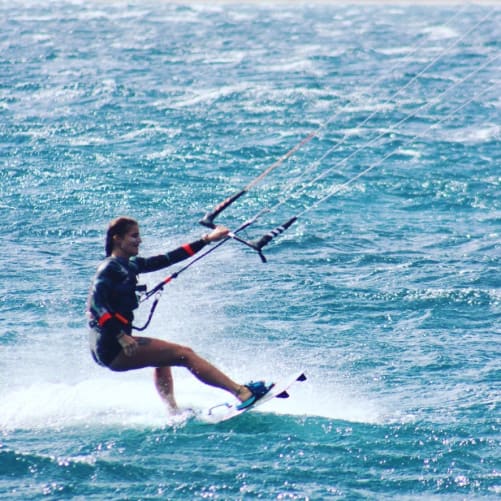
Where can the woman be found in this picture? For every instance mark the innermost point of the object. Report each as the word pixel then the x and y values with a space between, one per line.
pixel 110 309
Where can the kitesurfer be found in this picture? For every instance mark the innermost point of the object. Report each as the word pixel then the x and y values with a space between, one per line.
pixel 112 299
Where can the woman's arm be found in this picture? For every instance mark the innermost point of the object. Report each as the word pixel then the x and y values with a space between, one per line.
pixel 183 252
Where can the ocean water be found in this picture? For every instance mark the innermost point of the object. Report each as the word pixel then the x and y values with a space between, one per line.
pixel 386 290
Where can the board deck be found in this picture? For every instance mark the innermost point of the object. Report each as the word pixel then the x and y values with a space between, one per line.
pixel 226 411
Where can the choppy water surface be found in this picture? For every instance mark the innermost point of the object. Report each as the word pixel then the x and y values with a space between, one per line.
pixel 387 293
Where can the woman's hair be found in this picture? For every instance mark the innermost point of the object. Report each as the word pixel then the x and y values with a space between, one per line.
pixel 119 226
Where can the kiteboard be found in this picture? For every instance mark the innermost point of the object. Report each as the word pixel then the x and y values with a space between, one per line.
pixel 225 411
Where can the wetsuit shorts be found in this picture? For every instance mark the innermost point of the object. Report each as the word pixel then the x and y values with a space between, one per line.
pixel 104 346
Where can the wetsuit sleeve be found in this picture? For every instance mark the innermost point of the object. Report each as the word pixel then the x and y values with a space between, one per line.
pixel 186 251
pixel 155 263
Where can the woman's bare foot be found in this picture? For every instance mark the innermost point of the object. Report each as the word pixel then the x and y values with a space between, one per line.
pixel 243 393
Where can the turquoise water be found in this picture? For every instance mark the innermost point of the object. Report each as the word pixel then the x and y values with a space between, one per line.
pixel 387 293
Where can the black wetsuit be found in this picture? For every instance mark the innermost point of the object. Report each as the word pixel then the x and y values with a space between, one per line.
pixel 113 297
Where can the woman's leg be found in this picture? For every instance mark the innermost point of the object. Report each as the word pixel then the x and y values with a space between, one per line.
pixel 157 353
pixel 164 383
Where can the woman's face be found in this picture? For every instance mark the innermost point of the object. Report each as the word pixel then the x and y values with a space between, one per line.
pixel 128 244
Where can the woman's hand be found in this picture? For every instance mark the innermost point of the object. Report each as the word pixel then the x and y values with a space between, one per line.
pixel 218 233
pixel 128 343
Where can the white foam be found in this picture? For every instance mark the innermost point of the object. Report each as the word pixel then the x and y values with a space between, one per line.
pixel 476 135
pixel 440 32
pixel 206 96
pixel 131 400
pixel 106 401
pixel 409 152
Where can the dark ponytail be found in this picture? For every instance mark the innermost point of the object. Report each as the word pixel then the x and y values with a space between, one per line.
pixel 119 226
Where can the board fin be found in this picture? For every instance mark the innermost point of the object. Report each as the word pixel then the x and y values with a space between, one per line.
pixel 301 377
pixel 284 394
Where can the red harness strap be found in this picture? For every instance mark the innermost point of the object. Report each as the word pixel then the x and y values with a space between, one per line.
pixel 107 316
pixel 103 319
